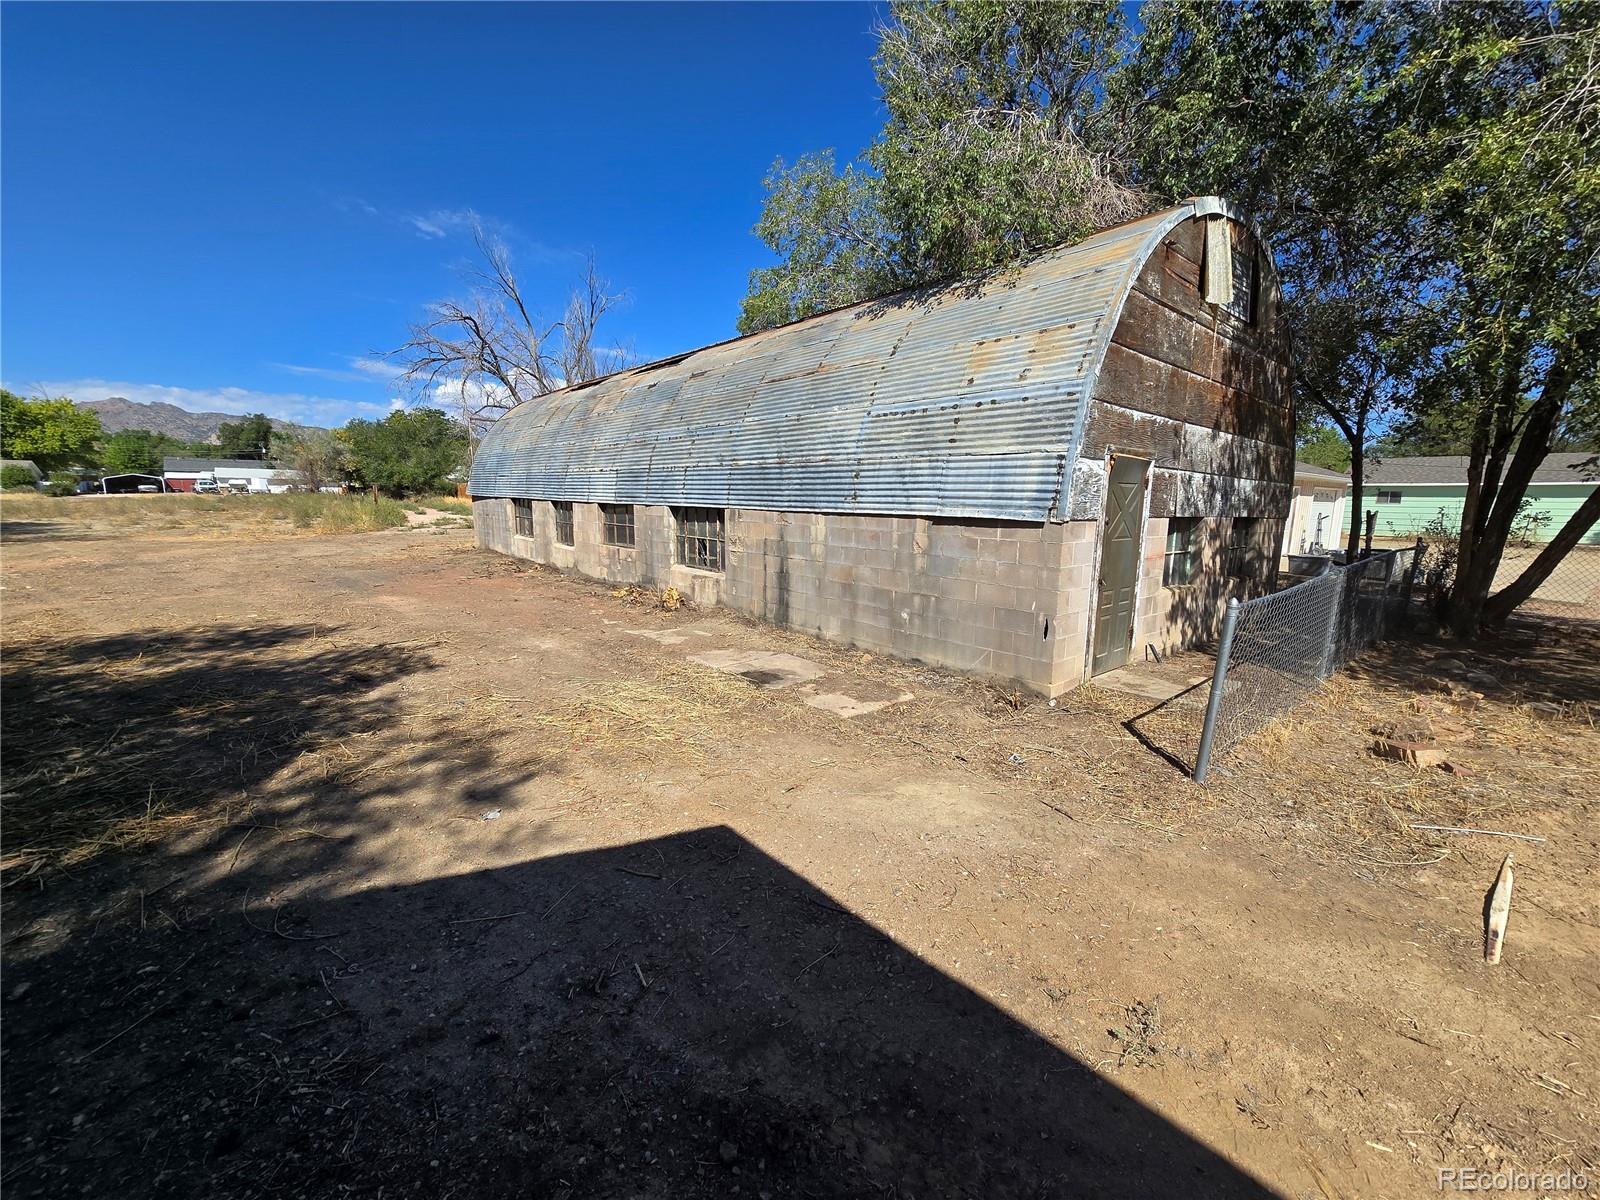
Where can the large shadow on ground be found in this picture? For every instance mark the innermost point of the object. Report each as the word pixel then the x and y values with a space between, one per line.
pixel 215 987
pixel 677 1017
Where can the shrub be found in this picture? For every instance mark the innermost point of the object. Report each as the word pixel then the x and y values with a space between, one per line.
pixel 1442 539
pixel 61 485
pixel 16 477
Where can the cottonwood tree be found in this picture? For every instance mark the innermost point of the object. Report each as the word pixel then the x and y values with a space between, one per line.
pixel 492 351
pixel 413 451
pixel 1272 106
pixel 996 146
pixel 52 433
pixel 1495 115
pixel 319 459
pixel 250 437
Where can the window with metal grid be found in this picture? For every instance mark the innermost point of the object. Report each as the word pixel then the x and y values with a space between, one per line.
pixel 617 520
pixel 522 511
pixel 1178 565
pixel 1243 304
pixel 1244 547
pixel 563 511
pixel 702 537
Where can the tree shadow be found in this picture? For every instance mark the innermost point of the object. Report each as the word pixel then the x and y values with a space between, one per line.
pixel 682 1016
pixel 51 530
pixel 115 742
pixel 1534 658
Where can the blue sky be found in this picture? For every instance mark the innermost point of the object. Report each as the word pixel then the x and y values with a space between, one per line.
pixel 233 207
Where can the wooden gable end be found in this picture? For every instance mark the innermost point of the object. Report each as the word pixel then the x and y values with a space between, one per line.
pixel 1201 391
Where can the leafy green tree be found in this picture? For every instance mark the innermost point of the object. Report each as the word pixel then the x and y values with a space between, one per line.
pixel 1323 446
pixel 1273 106
pixel 824 226
pixel 249 438
pixel 17 477
pixel 320 460
pixel 413 451
pixel 54 433
pixel 996 145
pixel 138 450
pixel 1015 126
pixel 998 142
pixel 1492 118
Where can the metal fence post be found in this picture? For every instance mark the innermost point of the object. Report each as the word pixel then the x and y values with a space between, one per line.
pixel 1417 554
pixel 1202 762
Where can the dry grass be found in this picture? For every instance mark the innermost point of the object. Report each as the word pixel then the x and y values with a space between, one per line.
pixel 453 505
pixel 115 743
pixel 668 599
pixel 224 515
pixel 682 711
pixel 1307 778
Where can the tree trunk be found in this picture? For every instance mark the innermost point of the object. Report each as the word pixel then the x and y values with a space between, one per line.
pixel 1358 470
pixel 1490 529
pixel 1504 602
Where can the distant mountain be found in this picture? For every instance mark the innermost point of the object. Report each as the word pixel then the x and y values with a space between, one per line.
pixel 117 413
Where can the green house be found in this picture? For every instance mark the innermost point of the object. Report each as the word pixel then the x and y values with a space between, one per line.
pixel 1410 493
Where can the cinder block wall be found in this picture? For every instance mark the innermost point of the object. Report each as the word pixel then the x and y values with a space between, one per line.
pixel 1175 618
pixel 998 598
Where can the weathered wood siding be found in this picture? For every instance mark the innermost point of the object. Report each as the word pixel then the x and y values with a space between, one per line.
pixel 1202 394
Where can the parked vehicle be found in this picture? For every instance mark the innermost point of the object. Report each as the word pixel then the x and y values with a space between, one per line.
pixel 207 487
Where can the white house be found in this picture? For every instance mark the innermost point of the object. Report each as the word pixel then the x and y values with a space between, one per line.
pixel 1316 513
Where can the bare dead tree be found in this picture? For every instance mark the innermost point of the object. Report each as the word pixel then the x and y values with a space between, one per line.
pixel 492 352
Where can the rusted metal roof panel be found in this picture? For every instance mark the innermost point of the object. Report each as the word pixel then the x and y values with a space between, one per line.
pixel 966 400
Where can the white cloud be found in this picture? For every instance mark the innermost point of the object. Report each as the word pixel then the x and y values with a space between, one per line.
pixel 375 368
pixel 441 222
pixel 298 407
pixel 360 370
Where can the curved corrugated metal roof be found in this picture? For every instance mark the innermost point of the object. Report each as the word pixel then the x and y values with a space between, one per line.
pixel 965 400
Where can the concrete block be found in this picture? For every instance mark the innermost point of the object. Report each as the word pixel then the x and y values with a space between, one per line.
pixel 997 595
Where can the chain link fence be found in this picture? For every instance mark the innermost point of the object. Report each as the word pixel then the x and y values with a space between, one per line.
pixel 1277 648
pixel 1571 591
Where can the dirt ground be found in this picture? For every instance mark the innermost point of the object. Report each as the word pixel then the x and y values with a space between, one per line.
pixel 378 865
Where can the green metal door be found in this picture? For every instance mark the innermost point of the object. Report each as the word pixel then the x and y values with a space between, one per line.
pixel 1120 547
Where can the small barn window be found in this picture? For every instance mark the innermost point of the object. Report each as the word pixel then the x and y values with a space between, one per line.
pixel 1389 497
pixel 702 537
pixel 618 522
pixel 522 511
pixel 1244 548
pixel 1178 565
pixel 563 511
pixel 1243 305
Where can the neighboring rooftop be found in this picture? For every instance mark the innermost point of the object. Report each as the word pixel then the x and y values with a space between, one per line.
pixel 185 466
pixel 1451 469
pixel 1320 474
pixel 26 464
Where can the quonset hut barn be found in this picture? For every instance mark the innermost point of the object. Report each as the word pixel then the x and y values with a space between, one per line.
pixel 1034 475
